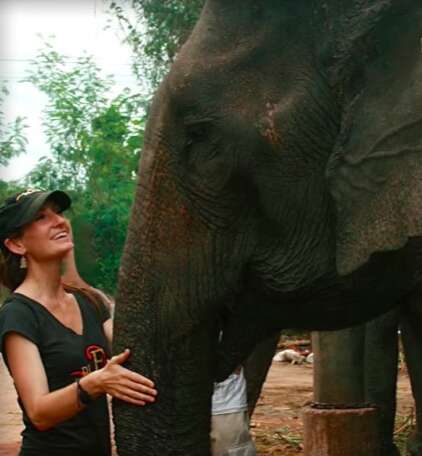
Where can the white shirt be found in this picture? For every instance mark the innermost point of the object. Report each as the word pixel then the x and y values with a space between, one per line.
pixel 230 395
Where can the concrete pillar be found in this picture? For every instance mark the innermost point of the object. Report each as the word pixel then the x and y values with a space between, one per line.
pixel 339 423
pixel 338 366
pixel 340 432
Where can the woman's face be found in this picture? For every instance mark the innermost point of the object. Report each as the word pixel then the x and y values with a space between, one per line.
pixel 47 237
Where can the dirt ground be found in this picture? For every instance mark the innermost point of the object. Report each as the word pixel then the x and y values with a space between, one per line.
pixel 276 423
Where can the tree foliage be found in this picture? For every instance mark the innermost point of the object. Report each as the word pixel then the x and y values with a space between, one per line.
pixel 12 134
pixel 95 139
pixel 95 144
pixel 77 94
pixel 9 188
pixel 155 30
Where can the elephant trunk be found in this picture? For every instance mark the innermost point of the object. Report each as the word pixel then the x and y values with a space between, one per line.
pixel 162 316
pixel 179 422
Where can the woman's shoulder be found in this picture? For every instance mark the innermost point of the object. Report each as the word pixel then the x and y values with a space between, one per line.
pixel 18 314
pixel 18 302
pixel 20 308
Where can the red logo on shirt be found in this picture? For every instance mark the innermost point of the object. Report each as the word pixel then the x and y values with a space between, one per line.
pixel 96 357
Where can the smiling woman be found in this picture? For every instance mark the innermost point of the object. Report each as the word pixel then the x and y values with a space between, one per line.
pixel 54 341
pixel 18 211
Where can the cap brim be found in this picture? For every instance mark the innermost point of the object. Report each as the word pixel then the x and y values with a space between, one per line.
pixel 62 200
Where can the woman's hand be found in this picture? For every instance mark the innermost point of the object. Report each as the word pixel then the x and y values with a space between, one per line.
pixel 122 383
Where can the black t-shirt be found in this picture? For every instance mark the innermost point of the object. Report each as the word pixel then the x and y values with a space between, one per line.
pixel 66 356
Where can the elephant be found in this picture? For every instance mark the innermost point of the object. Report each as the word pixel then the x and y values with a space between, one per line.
pixel 364 362
pixel 280 186
pixel 380 369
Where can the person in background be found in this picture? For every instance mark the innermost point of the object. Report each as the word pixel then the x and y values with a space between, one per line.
pixel 55 340
pixel 72 279
pixel 230 434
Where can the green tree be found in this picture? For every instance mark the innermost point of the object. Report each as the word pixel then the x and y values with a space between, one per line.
pixel 12 134
pixel 77 94
pixel 13 142
pixel 9 188
pixel 95 144
pixel 155 30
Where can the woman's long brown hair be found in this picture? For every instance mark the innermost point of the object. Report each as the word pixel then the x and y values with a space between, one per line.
pixel 12 275
pixel 89 294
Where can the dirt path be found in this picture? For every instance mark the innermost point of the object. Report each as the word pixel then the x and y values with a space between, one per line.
pixel 10 415
pixel 276 423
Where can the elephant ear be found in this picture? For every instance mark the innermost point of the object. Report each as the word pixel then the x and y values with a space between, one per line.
pixel 375 171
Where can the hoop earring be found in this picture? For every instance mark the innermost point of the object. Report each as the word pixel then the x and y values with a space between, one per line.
pixel 23 263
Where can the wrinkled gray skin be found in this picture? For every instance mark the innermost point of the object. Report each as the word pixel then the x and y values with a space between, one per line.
pixel 280 186
pixel 380 369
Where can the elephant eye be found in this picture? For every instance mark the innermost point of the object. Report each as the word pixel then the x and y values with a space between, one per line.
pixel 197 132
pixel 199 148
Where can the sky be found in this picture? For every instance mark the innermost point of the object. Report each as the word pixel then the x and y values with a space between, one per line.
pixel 78 26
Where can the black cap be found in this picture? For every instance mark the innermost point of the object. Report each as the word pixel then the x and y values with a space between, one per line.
pixel 22 208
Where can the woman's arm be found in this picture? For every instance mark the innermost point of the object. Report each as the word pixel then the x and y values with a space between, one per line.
pixel 45 409
pixel 108 330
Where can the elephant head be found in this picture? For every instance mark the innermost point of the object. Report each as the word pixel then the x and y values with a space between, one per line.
pixel 281 172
